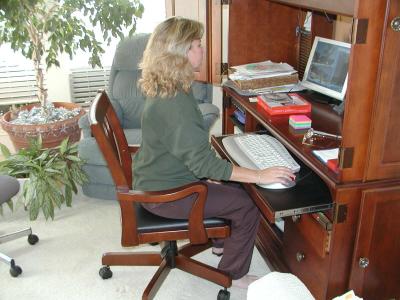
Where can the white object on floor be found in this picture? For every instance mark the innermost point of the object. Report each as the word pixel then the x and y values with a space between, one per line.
pixel 347 296
pixel 276 285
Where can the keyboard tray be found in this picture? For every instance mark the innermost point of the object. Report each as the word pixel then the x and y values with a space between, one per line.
pixel 309 195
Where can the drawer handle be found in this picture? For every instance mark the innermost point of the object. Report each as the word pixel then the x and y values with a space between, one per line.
pixel 363 262
pixel 300 256
pixel 395 24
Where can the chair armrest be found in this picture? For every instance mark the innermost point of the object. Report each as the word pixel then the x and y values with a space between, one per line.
pixel 197 232
pixel 85 125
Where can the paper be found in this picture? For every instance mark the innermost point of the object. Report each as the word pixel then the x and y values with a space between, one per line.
pixel 326 154
pixel 264 69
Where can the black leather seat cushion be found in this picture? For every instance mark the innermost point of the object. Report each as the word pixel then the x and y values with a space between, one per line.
pixel 148 222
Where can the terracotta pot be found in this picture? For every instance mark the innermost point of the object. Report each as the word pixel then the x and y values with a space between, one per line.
pixel 52 133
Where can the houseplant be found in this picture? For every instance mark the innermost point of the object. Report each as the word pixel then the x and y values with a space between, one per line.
pixel 53 174
pixel 43 29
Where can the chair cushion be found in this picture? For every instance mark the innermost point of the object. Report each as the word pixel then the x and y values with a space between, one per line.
pixel 148 222
pixel 90 151
pixel 9 187
pixel 100 191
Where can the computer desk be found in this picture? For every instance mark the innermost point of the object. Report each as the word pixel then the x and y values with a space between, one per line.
pixel 317 247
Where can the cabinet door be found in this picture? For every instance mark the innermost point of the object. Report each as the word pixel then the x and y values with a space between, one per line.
pixel 262 30
pixel 375 270
pixel 209 14
pixel 384 154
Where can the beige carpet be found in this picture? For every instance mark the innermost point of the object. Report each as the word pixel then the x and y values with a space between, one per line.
pixel 65 262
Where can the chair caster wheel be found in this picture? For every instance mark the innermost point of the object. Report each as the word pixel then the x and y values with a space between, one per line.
pixel 33 239
pixel 15 270
pixel 223 295
pixel 105 272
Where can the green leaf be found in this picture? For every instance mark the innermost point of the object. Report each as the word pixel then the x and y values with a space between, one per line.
pixel 34 210
pixel 48 209
pixel 73 158
pixel 73 186
pixel 5 151
pixel 10 204
pixel 50 170
pixel 68 196
pixel 64 146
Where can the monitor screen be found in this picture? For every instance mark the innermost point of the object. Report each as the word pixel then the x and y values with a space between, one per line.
pixel 327 68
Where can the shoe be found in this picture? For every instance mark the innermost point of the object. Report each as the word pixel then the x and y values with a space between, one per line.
pixel 217 251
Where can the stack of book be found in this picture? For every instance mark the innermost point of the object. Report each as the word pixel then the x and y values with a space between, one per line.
pixel 263 74
pixel 283 104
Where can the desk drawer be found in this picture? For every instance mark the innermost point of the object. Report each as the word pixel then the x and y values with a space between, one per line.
pixel 303 254
pixel 316 229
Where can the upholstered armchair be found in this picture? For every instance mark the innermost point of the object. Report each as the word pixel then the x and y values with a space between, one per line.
pixel 128 102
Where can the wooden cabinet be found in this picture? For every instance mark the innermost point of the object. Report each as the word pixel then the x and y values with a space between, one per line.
pixel 365 221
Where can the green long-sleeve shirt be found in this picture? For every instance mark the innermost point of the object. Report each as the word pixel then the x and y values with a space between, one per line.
pixel 175 147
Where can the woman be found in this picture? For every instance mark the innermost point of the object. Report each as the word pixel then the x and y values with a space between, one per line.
pixel 175 147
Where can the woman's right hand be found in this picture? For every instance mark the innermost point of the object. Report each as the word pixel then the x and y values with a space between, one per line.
pixel 274 175
pixel 267 176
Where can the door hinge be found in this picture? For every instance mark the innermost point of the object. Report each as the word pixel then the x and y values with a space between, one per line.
pixel 346 157
pixel 224 68
pixel 226 2
pixel 340 212
pixel 361 26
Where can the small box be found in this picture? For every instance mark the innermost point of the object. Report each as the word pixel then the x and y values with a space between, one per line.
pixel 283 104
pixel 299 122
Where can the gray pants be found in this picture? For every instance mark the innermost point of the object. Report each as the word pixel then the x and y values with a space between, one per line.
pixel 231 202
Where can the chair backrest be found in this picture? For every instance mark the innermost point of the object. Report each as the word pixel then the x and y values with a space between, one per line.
pixel 123 90
pixel 111 139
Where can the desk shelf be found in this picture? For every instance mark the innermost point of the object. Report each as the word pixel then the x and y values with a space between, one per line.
pixel 279 128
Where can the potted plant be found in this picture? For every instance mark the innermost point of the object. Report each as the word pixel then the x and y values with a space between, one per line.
pixel 41 30
pixel 52 175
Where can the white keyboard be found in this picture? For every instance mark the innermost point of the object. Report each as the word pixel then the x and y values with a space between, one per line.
pixel 256 151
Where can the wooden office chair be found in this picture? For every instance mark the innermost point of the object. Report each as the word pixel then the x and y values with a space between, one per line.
pixel 140 226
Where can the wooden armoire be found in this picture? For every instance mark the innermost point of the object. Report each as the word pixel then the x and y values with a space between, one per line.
pixel 360 249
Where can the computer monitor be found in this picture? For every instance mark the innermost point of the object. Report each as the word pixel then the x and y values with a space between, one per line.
pixel 327 68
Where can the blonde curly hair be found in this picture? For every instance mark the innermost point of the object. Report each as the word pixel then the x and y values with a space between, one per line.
pixel 165 65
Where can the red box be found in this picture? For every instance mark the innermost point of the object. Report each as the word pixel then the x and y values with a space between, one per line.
pixel 287 104
pixel 333 165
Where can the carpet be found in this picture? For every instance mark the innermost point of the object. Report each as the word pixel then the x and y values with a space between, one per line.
pixel 64 264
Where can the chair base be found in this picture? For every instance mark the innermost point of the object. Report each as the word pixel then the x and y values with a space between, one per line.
pixel 16 270
pixel 170 257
